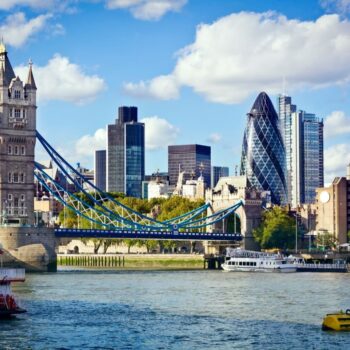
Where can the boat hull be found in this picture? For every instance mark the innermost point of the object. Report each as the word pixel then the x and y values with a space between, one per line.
pixel 231 268
pixel 337 322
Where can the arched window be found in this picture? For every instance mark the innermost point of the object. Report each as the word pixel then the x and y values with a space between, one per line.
pixel 22 178
pixel 16 150
pixel 9 149
pixel 10 177
pixel 15 177
pixel 23 150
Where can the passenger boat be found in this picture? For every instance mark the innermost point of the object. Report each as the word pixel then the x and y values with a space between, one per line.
pixel 8 303
pixel 252 261
pixel 337 322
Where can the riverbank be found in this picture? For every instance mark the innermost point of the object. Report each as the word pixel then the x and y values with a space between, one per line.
pixel 132 261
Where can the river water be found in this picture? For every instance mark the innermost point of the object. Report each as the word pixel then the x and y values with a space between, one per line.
pixel 176 310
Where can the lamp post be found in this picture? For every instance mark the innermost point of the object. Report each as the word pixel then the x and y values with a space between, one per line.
pixel 296 232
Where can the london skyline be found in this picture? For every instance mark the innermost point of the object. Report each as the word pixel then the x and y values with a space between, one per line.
pixel 92 57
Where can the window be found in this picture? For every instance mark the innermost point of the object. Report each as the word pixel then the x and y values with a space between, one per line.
pixel 9 196
pixel 23 150
pixel 17 113
pixel 9 149
pixel 23 197
pixel 17 94
pixel 10 112
pixel 22 178
pixel 16 150
pixel 10 177
pixel 15 177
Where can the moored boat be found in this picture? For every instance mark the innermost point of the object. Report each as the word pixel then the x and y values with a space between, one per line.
pixel 251 261
pixel 337 322
pixel 8 304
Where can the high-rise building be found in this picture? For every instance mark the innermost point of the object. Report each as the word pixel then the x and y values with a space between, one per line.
pixel 193 160
pixel 307 157
pixel 100 169
pixel 286 109
pixel 216 173
pixel 18 136
pixel 126 153
pixel 263 154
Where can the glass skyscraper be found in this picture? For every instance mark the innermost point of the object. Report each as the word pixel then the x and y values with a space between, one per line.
pixel 192 159
pixel 307 157
pixel 100 169
pixel 286 109
pixel 126 153
pixel 263 153
pixel 217 172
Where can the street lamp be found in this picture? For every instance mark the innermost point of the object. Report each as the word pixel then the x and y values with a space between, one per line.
pixel 296 233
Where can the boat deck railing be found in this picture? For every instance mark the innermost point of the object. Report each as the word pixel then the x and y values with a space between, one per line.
pixel 12 275
pixel 241 253
pixel 322 266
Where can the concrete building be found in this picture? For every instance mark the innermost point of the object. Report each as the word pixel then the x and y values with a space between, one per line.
pixel 307 157
pixel 216 173
pixel 333 208
pixel 100 169
pixel 126 153
pixel 192 160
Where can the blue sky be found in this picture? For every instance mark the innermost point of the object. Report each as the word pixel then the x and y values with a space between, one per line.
pixel 193 68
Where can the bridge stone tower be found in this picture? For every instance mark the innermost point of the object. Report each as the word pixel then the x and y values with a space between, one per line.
pixel 24 244
pixel 17 143
pixel 225 194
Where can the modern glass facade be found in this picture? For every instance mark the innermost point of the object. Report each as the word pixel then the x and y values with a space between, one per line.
pixel 192 159
pixel 100 169
pixel 307 157
pixel 217 172
pixel 263 154
pixel 126 153
pixel 285 111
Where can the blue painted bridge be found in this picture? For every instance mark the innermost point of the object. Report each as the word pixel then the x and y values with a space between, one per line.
pixel 140 234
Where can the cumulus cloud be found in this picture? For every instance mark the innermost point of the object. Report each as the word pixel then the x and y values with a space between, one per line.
pixel 159 133
pixel 336 159
pixel 337 6
pixel 163 87
pixel 17 29
pixel 63 80
pixel 245 53
pixel 88 144
pixel 337 123
pixel 147 9
pixel 214 138
pixel 55 5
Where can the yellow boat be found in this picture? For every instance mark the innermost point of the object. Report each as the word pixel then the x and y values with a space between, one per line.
pixel 337 322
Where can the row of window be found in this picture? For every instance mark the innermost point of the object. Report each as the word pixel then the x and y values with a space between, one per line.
pixel 10 197
pixel 17 113
pixel 16 150
pixel 15 177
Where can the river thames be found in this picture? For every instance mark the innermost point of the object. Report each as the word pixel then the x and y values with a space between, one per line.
pixel 176 310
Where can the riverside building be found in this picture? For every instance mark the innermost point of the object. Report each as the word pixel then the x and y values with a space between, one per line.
pixel 126 153
pixel 263 155
pixel 100 169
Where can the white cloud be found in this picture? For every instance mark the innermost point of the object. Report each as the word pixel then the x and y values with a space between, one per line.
pixel 336 159
pixel 163 87
pixel 147 9
pixel 17 29
pixel 338 6
pixel 54 5
pixel 88 144
pixel 159 133
pixel 245 53
pixel 337 123
pixel 62 80
pixel 214 138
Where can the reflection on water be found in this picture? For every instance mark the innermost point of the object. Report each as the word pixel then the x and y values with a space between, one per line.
pixel 177 310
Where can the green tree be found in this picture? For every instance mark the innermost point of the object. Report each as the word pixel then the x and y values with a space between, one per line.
pixel 326 240
pixel 277 230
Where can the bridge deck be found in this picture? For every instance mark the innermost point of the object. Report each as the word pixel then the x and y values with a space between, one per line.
pixel 137 234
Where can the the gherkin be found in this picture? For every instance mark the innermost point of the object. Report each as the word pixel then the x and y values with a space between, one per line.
pixel 263 154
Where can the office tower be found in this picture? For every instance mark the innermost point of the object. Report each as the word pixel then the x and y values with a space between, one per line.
pixel 126 153
pixel 307 157
pixel 17 143
pixel 216 173
pixel 100 169
pixel 286 109
pixel 263 155
pixel 194 160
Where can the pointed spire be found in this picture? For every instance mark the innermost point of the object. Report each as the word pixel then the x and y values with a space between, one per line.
pixel 2 46
pixel 30 84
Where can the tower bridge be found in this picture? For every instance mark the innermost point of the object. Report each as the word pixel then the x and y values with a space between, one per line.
pixel 34 247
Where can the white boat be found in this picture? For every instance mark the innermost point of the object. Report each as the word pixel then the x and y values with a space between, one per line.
pixel 252 261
